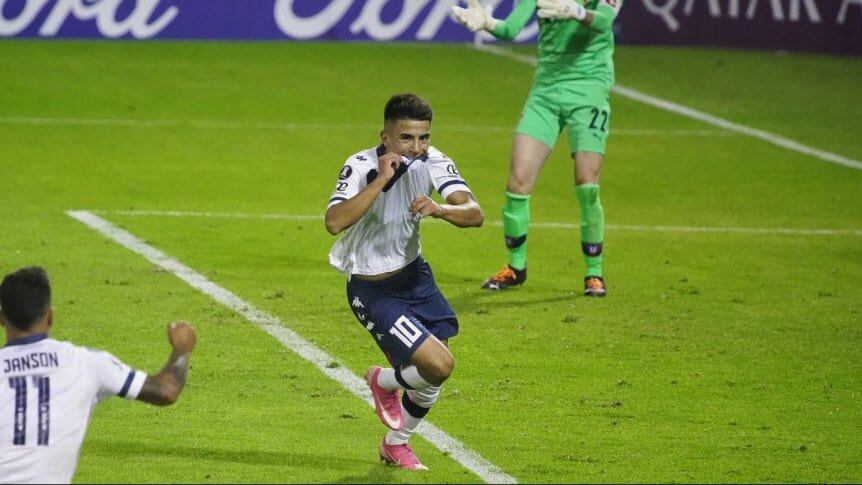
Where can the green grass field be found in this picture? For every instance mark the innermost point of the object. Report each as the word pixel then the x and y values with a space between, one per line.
pixel 716 357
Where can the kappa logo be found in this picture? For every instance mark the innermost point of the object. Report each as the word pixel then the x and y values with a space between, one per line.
pixel 357 303
pixel 346 172
pixel 379 336
pixel 361 317
pixel 369 326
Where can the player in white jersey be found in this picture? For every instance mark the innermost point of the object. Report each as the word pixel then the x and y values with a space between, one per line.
pixel 49 388
pixel 381 195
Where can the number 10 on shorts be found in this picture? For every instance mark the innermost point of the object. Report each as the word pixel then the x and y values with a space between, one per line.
pixel 405 331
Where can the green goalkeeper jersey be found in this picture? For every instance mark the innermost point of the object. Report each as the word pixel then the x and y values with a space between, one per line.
pixel 569 50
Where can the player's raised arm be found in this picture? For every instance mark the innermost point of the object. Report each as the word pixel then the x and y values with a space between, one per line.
pixel 342 215
pixel 165 387
pixel 476 17
pixel 601 19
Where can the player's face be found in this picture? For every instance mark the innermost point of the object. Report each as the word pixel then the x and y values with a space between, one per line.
pixel 409 138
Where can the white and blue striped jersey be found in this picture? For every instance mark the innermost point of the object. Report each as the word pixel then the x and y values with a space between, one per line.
pixel 47 391
pixel 386 238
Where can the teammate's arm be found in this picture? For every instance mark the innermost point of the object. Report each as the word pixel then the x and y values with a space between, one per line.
pixel 341 216
pixel 165 387
pixel 461 209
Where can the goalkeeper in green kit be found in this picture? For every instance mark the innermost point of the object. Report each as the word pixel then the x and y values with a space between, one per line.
pixel 571 88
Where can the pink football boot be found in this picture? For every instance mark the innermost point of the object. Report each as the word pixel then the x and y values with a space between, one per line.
pixel 387 404
pixel 401 456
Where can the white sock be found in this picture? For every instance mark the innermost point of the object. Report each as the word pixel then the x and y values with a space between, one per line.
pixel 410 375
pixel 420 403
pixel 386 379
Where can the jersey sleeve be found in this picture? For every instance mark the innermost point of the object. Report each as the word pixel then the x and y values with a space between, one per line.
pixel 113 377
pixel 605 13
pixel 445 175
pixel 509 28
pixel 351 180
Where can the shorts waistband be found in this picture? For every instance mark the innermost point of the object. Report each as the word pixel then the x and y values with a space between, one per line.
pixel 393 282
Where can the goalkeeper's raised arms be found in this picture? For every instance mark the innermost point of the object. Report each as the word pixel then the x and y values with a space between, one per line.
pixel 475 17
pixel 561 9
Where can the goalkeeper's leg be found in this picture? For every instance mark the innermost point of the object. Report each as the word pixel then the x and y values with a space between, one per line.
pixel 528 157
pixel 587 168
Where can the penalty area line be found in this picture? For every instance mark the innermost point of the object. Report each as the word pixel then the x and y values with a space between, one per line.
pixel 469 459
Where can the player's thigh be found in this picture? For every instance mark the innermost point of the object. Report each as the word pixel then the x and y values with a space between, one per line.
pixel 528 158
pixel 588 116
pixel 535 136
pixel 389 321
pixel 429 305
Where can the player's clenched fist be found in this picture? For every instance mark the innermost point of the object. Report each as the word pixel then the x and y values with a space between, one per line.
pixel 182 337
pixel 424 206
pixel 388 164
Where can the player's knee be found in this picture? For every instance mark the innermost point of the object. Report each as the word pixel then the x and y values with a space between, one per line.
pixel 586 178
pixel 440 369
pixel 518 185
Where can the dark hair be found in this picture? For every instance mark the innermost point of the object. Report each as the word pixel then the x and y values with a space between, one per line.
pixel 407 107
pixel 25 297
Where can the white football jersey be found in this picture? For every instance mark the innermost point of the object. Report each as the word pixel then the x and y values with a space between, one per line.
pixel 386 238
pixel 47 392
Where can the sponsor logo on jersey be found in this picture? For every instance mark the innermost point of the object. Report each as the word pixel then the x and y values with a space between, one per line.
pixel 346 172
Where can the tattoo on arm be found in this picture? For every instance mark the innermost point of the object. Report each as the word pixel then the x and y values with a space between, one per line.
pixel 165 387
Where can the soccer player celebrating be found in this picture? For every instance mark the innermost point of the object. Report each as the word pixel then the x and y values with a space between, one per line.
pixel 571 88
pixel 48 388
pixel 381 195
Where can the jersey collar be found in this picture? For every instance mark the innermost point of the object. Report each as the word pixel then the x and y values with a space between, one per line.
pixel 30 339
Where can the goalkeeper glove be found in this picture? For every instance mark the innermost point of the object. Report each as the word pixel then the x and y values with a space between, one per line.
pixel 474 17
pixel 561 9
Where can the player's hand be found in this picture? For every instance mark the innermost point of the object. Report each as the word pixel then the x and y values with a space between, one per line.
pixel 182 337
pixel 475 17
pixel 387 165
pixel 424 206
pixel 561 9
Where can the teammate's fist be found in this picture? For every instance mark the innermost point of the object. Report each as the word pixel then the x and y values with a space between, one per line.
pixel 561 9
pixel 182 337
pixel 424 206
pixel 388 164
pixel 475 17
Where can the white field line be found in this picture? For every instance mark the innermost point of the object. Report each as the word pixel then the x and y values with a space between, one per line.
pixel 303 126
pixel 679 109
pixel 471 460
pixel 541 225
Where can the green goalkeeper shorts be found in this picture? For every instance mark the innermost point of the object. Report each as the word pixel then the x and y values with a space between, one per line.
pixel 582 106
